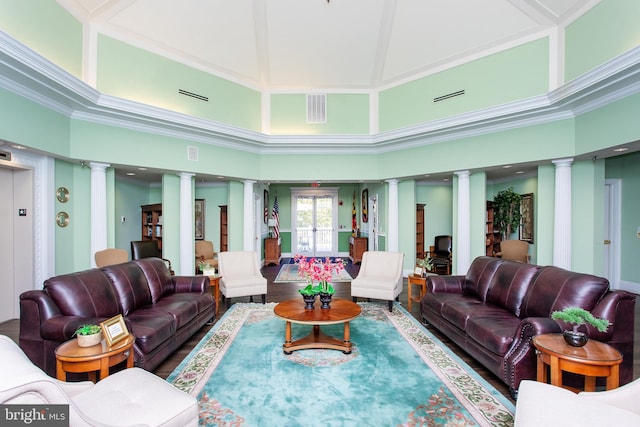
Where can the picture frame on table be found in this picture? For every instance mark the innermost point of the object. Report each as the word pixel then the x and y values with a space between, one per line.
pixel 418 271
pixel 114 329
pixel 199 217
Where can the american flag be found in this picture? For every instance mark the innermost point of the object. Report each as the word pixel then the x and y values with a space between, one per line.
pixel 274 214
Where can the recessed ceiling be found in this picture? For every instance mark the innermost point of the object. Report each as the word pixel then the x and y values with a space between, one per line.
pixel 324 44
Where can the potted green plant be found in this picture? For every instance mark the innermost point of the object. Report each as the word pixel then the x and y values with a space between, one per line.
pixel 506 211
pixel 577 317
pixel 425 263
pixel 88 335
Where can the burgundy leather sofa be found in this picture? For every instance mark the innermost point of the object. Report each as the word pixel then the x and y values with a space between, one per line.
pixel 160 310
pixel 494 312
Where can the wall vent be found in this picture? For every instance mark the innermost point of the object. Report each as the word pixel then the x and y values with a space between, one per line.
pixel 5 155
pixel 193 95
pixel 192 153
pixel 447 96
pixel 316 108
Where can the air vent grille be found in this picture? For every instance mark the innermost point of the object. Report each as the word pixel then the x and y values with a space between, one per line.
pixel 316 108
pixel 192 153
pixel 5 155
pixel 193 95
pixel 447 96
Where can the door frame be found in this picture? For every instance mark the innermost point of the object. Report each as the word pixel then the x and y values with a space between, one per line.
pixel 613 221
pixel 315 192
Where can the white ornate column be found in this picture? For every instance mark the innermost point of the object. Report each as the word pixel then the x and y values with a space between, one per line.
pixel 98 208
pixel 247 224
pixel 562 214
pixel 187 254
pixel 392 232
pixel 462 247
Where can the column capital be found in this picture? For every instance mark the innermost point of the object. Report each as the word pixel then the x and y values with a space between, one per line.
pixel 393 181
pixel 98 166
pixel 462 173
pixel 186 175
pixel 562 162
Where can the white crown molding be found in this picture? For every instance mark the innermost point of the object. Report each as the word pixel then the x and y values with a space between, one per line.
pixel 28 74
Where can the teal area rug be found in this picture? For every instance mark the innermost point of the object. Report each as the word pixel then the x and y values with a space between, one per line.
pixel 289 274
pixel 398 375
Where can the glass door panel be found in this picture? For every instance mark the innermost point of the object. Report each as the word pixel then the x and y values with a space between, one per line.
pixel 315 234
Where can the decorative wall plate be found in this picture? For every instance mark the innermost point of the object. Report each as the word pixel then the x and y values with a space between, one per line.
pixel 62 219
pixel 62 194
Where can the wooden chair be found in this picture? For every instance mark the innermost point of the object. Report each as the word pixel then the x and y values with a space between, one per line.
pixel 110 256
pixel 515 250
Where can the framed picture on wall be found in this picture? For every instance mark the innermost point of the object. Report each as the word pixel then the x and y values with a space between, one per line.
pixel 199 219
pixel 265 200
pixel 365 205
pixel 526 211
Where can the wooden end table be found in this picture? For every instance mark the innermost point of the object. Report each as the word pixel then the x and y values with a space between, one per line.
pixel 70 357
pixel 294 311
pixel 214 282
pixel 594 359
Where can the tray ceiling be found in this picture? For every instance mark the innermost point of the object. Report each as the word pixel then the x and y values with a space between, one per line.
pixel 325 44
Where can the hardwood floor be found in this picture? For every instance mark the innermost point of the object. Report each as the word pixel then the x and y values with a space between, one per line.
pixel 277 292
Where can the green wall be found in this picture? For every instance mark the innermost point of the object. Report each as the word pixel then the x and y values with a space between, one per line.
pixel 604 32
pixel 47 28
pixel 517 73
pixel 346 114
pixel 132 73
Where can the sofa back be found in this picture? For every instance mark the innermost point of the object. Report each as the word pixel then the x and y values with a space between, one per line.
pixel 86 294
pixel 555 289
pixel 158 277
pixel 509 285
pixel 130 285
pixel 479 275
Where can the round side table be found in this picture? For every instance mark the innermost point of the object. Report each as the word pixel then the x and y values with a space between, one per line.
pixel 70 357
pixel 594 359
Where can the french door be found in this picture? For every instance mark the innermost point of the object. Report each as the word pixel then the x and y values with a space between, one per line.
pixel 314 218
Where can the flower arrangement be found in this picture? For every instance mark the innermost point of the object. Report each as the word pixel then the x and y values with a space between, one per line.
pixel 317 271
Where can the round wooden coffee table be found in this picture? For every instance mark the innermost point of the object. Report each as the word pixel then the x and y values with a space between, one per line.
pixel 294 311
pixel 594 359
pixel 70 357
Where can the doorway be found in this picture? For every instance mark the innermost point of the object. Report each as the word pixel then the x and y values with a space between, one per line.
pixel 314 215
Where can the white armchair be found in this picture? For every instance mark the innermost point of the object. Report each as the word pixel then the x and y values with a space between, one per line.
pixel 545 405
pixel 380 276
pixel 129 397
pixel 241 275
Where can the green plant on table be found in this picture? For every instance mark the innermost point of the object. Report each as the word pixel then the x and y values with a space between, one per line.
pixel 87 330
pixel 425 263
pixel 579 316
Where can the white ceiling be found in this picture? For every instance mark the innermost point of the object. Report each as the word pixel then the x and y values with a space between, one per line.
pixel 278 45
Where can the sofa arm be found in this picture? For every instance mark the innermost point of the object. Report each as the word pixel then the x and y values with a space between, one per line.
pixel 445 284
pixel 63 328
pixel 198 284
pixel 618 307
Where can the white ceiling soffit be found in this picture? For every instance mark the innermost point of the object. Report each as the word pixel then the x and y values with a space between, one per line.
pixel 319 44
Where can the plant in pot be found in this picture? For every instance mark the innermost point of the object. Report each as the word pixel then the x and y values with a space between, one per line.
pixel 577 317
pixel 506 211
pixel 88 335
pixel 426 264
pixel 309 294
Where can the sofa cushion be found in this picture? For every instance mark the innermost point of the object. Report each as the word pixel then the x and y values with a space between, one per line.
pixel 493 328
pixel 509 284
pixel 555 289
pixel 457 311
pixel 151 327
pixel 86 294
pixel 479 276
pixel 130 285
pixel 183 307
pixel 158 277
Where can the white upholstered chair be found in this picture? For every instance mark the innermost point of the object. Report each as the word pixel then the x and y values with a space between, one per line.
pixel 129 397
pixel 380 276
pixel 241 275
pixel 545 405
